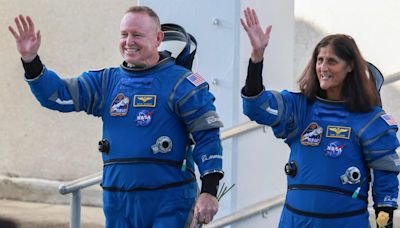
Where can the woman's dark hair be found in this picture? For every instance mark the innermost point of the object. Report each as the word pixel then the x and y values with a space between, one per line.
pixel 359 92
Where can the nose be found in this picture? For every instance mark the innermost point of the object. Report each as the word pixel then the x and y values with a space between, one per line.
pixel 324 66
pixel 129 39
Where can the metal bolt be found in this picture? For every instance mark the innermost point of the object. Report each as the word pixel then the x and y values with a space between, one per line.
pixel 215 21
pixel 264 213
pixel 215 81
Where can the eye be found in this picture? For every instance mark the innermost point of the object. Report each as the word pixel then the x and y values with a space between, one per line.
pixel 124 35
pixel 332 61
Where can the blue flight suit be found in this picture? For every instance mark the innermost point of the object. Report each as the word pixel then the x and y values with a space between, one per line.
pixel 151 118
pixel 328 143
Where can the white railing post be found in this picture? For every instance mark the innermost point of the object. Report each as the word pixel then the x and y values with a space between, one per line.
pixel 75 210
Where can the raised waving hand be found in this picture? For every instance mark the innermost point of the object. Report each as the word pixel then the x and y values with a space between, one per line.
pixel 258 37
pixel 28 41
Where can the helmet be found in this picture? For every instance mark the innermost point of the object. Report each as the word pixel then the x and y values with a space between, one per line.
pixel 377 75
pixel 179 44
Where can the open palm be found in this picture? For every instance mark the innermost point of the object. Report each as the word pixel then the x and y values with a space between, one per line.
pixel 258 38
pixel 28 42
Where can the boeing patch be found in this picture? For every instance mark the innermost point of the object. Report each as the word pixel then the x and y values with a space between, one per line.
pixel 120 105
pixel 311 136
pixel 148 101
pixel 143 118
pixel 339 132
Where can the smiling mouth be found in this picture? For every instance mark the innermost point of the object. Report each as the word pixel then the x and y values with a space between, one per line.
pixel 325 77
pixel 131 50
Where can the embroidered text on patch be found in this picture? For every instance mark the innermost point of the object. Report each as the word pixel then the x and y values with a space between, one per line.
pixel 338 132
pixel 144 101
pixel 209 157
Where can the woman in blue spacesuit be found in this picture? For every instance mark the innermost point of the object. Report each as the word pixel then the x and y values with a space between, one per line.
pixel 340 138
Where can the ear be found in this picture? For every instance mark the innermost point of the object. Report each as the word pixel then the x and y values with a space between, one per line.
pixel 349 67
pixel 160 37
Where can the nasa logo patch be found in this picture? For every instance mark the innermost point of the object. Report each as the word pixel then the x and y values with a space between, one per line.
pixel 143 118
pixel 334 149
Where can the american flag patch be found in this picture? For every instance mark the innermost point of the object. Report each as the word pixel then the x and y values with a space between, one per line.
pixel 196 79
pixel 389 119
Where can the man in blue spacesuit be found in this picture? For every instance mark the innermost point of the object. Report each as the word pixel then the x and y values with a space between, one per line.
pixel 153 111
pixel 339 136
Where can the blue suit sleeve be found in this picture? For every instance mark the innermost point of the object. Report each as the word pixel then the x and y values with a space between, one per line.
pixel 385 188
pixel 277 110
pixel 207 152
pixel 67 95
pixel 194 105
pixel 379 141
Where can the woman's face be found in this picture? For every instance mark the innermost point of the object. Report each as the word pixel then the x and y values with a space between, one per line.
pixel 331 72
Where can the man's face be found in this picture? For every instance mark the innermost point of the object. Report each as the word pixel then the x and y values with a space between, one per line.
pixel 140 38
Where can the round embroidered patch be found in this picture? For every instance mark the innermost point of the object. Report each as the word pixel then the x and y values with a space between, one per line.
pixel 334 150
pixel 143 118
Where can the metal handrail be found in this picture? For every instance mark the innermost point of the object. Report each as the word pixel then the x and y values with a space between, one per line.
pixel 391 78
pixel 261 207
pixel 75 186
pixel 80 183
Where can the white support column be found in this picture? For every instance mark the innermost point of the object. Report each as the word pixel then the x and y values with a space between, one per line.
pixel 254 162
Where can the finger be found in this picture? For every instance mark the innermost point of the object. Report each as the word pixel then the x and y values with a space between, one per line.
pixel 211 218
pixel 18 25
pixel 31 25
pixel 247 16
pixel 200 217
pixel 243 24
pixel 38 37
pixel 254 15
pixel 207 219
pixel 251 16
pixel 268 30
pixel 192 225
pixel 13 32
pixel 23 21
pixel 199 221
pixel 196 215
pixel 202 220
